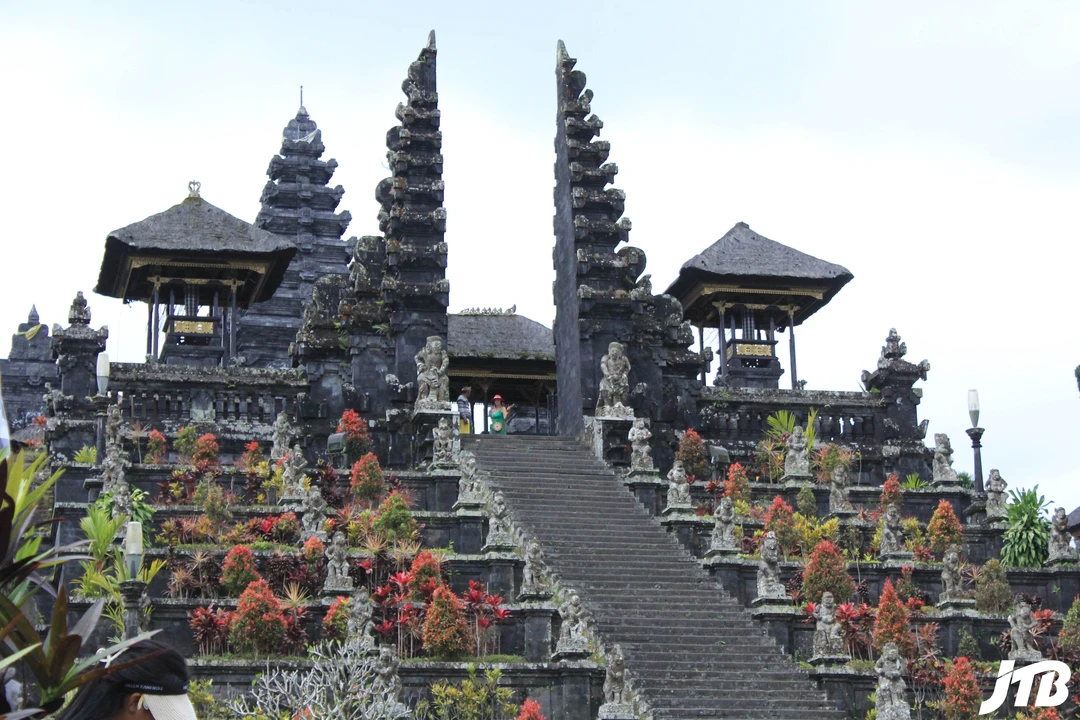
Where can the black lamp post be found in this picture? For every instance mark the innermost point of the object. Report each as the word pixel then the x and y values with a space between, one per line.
pixel 975 433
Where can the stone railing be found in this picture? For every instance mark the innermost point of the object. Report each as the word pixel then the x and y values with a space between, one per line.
pixel 167 394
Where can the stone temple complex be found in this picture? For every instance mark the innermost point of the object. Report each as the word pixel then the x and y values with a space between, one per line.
pixel 636 569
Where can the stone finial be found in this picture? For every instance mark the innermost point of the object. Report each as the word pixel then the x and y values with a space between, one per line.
pixel 193 189
pixel 32 318
pixel 79 314
pixel 891 696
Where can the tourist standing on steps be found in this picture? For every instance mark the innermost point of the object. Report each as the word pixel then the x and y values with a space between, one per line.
pixel 464 407
pixel 500 416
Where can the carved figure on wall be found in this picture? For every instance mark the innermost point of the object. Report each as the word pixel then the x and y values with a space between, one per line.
pixel 943 469
pixel 1021 624
pixel 387 683
pixel 1060 545
pixel 468 483
pixel 314 513
pixel 828 640
pixel 337 567
pixel 615 690
pixel 641 452
pixel 614 400
pixel 838 491
pixel 361 627
pixel 443 452
pixel 723 534
pixel 892 535
pixel 532 576
pixel 951 583
pixel 892 701
pixel 768 577
pixel 678 497
pixel 995 497
pixel 282 434
pixel 797 461
pixel 293 474
pixel 498 523
pixel 572 635
pixel 432 383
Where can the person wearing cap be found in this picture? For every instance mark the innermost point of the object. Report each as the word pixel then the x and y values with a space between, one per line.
pixel 464 407
pixel 149 682
pixel 499 414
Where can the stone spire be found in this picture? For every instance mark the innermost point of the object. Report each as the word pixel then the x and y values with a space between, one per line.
pixel 413 220
pixel 298 203
pixel 32 319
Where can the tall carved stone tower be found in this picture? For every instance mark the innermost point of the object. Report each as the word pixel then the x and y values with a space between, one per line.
pixel 413 221
pixel 299 204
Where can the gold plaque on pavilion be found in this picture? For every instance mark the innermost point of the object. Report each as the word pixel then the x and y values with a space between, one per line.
pixel 194 327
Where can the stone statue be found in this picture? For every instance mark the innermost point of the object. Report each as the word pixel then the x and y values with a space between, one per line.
pixel 995 497
pixel 432 383
pixel 532 576
pixel 943 469
pixel 1060 545
pixel 572 635
pixel 892 535
pixel 361 627
pixel 614 400
pixel 678 495
pixel 113 421
pixel 891 691
pixel 952 588
pixel 443 453
pixel 838 491
pixel 114 464
pixel 723 535
pixel 387 684
pixel 282 435
pixel 828 641
pixel 797 462
pixel 293 474
pixel 468 484
pixel 1021 625
pixel 79 314
pixel 768 577
pixel 641 452
pixel 615 690
pixel 55 400
pixel 337 567
pixel 314 514
pixel 498 524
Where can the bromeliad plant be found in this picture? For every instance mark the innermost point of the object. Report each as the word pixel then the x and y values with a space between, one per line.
pixel 1027 538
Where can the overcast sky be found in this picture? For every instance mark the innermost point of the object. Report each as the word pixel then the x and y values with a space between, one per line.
pixel 931 150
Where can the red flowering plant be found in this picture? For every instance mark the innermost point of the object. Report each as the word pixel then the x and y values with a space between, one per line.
pixel 694 455
pixel 239 571
pixel 283 528
pixel 944 528
pixel 737 484
pixel 336 621
pixel 423 577
pixel 780 519
pixel 530 710
pixel 210 628
pixel 857 628
pixel 205 451
pixel 314 551
pixel 445 632
pixel 893 623
pixel 962 693
pixel 357 438
pixel 891 492
pixel 926 670
pixel 259 623
pixel 366 479
pixel 156 449
pixel 826 571
pixel 483 612
pixel 295 613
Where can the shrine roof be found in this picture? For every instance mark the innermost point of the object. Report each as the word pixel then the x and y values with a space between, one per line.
pixel 502 336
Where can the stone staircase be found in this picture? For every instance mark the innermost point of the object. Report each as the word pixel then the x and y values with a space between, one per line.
pixel 691 649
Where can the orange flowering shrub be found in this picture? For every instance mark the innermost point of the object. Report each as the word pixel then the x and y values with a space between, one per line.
pixel 445 633
pixel 694 455
pixel 366 479
pixel 239 570
pixel 893 623
pixel 258 623
pixel 962 693
pixel 737 484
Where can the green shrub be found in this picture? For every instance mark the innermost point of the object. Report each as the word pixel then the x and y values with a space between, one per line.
pixel 394 520
pixel 445 632
pixel 806 503
pixel 826 571
pixel 992 592
pixel 1027 538
pixel 1069 637
pixel 258 623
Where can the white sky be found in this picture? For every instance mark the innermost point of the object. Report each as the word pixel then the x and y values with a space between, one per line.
pixel 931 150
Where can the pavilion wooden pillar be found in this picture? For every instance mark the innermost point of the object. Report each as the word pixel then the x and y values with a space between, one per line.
pixel 232 323
pixel 157 318
pixel 149 327
pixel 791 346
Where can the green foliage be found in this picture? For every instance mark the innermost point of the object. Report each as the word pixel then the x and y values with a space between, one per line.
pixel 100 528
pixel 914 482
pixel 806 503
pixel 141 510
pixel 184 444
pixel 969 646
pixel 1027 538
pixel 782 424
pixel 86 454
pixel 445 633
pixel 476 698
pixel 1069 637
pixel 826 571
pixel 394 520
pixel 966 481
pixel 1076 372
pixel 207 707
pixel 992 592
pixel 809 531
pixel 214 501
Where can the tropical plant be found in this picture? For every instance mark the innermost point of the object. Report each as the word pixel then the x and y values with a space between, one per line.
pixel 826 571
pixel 205 450
pixel 366 478
pixel 944 528
pixel 782 424
pixel 394 520
pixel 780 520
pixel 239 570
pixel 891 492
pixel 445 633
pixel 357 438
pixel 694 455
pixel 184 443
pixel 893 623
pixel 258 624
pixel 737 484
pixel 530 710
pixel 1027 538
pixel 142 510
pixel 914 481
pixel 156 449
pixel 336 621
pixel 475 698
pixel 966 481
pixel 135 433
pixel 828 458
pixel 86 454
pixel 1069 636
pixel 210 628
pixel 806 502
pixel 992 592
pixel 962 693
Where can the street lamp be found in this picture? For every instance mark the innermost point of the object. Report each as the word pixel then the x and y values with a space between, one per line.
pixel 102 372
pixel 132 590
pixel 975 433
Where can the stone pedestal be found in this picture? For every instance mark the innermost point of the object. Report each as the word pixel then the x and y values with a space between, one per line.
pixel 305 536
pixel 607 438
pixel 797 481
pixel 616 711
pixel 648 489
pixel 1026 656
pixel 338 586
pixel 571 650
pixel 956 603
pixel 771 602
pixel 535 617
pixel 829 660
pixel 900 556
pixel 422 426
pixel 843 516
pixel 975 513
pixel 719 553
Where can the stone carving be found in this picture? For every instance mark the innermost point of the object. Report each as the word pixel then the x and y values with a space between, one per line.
pixel 498 536
pixel 1060 545
pixel 641 453
pixel 55 401
pixel 443 453
pixel 282 435
pixel 337 566
pixel 995 497
pixel 838 491
pixel 361 626
pixel 293 475
pixel 1021 625
pixel 892 536
pixel 891 691
pixel 797 461
pixel 432 383
pixel 114 464
pixel 512 310
pixel 468 485
pixel 723 535
pixel 828 641
pixel 614 400
pixel 572 639
pixel 533 583
pixel 769 586
pixel 951 583
pixel 943 469
pixel 79 314
pixel 617 702
pixel 678 495
pixel 387 684
pixel 314 514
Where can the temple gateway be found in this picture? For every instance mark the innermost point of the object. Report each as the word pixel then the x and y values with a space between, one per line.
pixel 656 528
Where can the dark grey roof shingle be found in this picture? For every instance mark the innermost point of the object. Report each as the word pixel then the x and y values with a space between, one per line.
pixel 504 337
pixel 743 252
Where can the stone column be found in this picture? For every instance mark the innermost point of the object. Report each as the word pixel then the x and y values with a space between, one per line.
pixel 791 347
pixel 132 593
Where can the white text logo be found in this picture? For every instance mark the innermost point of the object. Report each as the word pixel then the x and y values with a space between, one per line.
pixel 1052 688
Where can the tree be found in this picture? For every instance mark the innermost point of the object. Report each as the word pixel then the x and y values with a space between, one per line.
pixel 694 455
pixel 258 623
